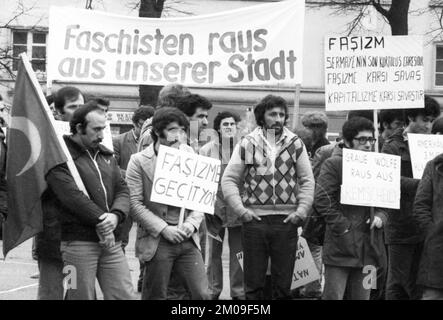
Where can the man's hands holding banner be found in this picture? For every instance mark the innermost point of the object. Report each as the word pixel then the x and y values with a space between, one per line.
pixel 177 234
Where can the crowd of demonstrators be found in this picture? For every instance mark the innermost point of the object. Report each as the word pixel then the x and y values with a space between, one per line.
pixel 273 182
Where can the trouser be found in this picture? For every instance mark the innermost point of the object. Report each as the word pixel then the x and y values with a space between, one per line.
pixel 339 279
pixel 432 294
pixel 185 260
pixel 273 238
pixel 215 266
pixel 87 261
pixel 403 267
pixel 50 282
pixel 313 289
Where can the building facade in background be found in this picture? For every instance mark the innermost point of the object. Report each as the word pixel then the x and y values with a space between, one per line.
pixel 28 33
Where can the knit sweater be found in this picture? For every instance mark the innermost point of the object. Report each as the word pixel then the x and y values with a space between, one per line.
pixel 276 181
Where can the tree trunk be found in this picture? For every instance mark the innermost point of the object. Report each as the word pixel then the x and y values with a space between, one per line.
pixel 398 17
pixel 150 9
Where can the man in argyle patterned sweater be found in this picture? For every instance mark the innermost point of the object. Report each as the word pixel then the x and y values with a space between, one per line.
pixel 273 166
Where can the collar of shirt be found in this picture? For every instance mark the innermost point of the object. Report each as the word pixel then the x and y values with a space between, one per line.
pixel 274 148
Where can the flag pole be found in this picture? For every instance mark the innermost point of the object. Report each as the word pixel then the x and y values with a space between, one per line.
pixel 296 115
pixel 50 117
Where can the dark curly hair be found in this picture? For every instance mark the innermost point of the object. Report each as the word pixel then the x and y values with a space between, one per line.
pixel 163 117
pixel 267 103
pixel 353 126
pixel 223 115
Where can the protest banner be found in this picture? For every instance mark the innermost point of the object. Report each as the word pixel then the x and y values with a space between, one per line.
pixel 185 179
pixel 62 128
pixel 119 117
pixel 97 47
pixel 374 72
pixel 305 270
pixel 370 179
pixel 423 148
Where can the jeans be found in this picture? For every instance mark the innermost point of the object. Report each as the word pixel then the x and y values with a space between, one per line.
pixel 432 294
pixel 339 279
pixel 403 267
pixel 92 261
pixel 313 289
pixel 50 283
pixel 185 260
pixel 273 238
pixel 215 266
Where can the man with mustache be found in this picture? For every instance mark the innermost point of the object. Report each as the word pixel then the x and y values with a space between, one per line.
pixel 163 245
pixel 272 165
pixel 87 220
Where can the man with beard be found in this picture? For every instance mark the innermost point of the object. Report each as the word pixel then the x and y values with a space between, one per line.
pixel 164 246
pixel 403 237
pixel 225 123
pixel 90 223
pixel 272 165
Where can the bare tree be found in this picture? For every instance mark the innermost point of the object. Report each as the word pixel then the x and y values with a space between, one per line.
pixel 395 12
pixel 6 52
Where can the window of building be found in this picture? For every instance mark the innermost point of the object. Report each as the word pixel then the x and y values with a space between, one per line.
pixel 438 82
pixel 34 44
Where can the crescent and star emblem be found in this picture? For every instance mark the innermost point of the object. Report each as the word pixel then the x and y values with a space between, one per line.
pixel 31 132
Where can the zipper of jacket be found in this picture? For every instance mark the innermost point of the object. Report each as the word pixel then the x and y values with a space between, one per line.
pixel 100 176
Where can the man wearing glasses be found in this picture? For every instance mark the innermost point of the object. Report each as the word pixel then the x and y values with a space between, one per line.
pixel 347 246
pixel 404 240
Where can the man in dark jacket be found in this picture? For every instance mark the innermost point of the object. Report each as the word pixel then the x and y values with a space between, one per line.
pixel 47 242
pixel 88 219
pixel 429 217
pixel 403 237
pixel 349 245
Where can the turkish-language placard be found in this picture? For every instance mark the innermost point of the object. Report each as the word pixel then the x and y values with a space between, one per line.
pixel 374 72
pixel 423 148
pixel 305 270
pixel 261 44
pixel 185 179
pixel 370 179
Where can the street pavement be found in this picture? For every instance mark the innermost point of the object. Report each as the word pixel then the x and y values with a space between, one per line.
pixel 16 271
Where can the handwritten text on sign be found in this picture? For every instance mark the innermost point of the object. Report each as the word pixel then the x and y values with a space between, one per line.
pixel 370 179
pixel 97 47
pixel 184 179
pixel 374 72
pixel 423 148
pixel 305 270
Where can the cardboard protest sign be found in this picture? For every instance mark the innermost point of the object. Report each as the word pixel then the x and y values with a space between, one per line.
pixel 261 45
pixel 305 270
pixel 423 148
pixel 185 179
pixel 63 128
pixel 370 179
pixel 374 72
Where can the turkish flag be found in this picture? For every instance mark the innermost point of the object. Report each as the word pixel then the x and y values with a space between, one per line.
pixel 33 150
